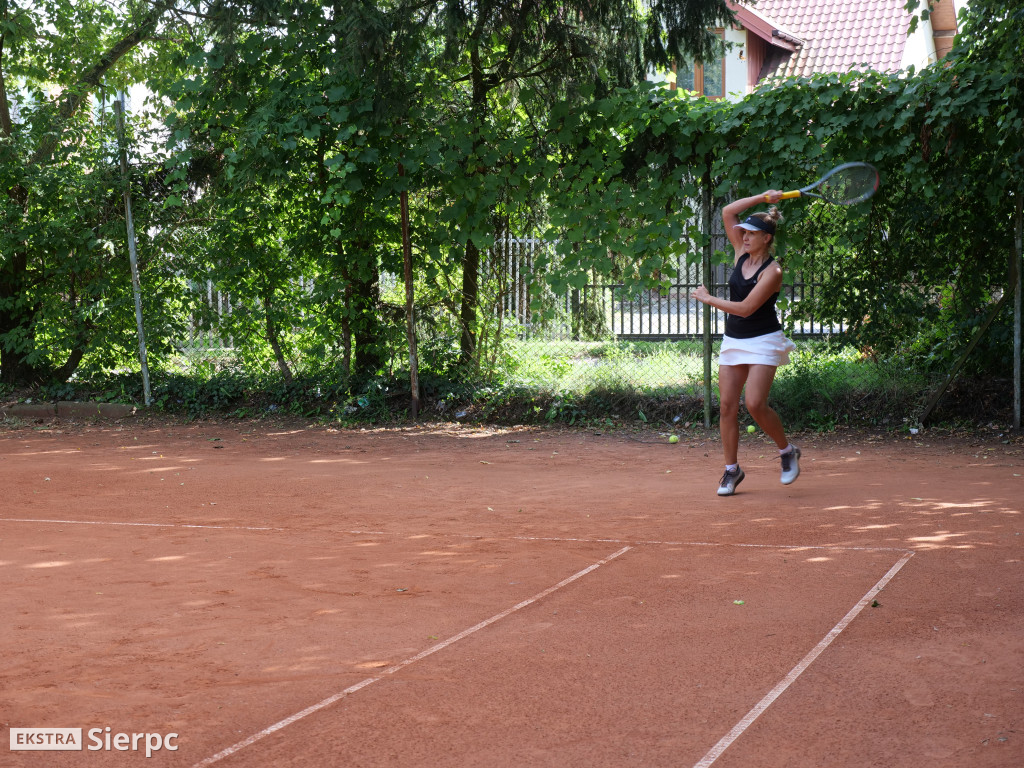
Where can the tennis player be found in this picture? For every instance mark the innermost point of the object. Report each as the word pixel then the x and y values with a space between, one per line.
pixel 754 345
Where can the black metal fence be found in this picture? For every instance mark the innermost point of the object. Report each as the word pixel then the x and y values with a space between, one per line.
pixel 611 310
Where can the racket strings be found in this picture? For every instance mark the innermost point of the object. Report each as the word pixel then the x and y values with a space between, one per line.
pixel 850 185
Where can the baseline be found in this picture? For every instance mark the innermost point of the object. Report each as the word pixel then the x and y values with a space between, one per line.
pixel 477 536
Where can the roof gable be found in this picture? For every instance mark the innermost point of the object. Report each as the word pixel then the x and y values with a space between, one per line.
pixel 839 35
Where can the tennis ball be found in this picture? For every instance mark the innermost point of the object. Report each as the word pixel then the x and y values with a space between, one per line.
pixel 751 429
pixel 674 439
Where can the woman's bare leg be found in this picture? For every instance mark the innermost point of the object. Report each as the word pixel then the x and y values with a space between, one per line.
pixel 731 379
pixel 759 384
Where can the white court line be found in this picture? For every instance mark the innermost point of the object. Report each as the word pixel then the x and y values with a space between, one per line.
pixel 630 542
pixel 475 536
pixel 142 525
pixel 715 544
pixel 403 664
pixel 738 730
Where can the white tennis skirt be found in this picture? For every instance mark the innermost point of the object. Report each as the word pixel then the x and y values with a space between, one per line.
pixel 769 349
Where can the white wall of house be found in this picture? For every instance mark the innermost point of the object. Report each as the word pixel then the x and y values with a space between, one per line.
pixel 920 48
pixel 735 67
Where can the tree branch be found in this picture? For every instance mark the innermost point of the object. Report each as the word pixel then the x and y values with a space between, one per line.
pixel 6 127
pixel 76 95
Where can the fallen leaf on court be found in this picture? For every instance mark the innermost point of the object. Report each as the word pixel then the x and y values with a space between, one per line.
pixel 875 603
pixel 738 602
pixel 485 462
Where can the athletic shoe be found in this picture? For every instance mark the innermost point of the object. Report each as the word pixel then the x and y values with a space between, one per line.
pixel 790 465
pixel 727 487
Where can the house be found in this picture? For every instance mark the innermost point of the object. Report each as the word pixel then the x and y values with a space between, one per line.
pixel 782 38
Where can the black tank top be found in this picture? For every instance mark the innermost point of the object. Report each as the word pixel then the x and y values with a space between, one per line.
pixel 764 319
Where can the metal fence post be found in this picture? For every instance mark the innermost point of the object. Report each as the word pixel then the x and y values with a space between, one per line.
pixel 1018 267
pixel 410 304
pixel 706 279
pixel 132 257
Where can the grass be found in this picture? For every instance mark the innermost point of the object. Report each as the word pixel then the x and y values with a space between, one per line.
pixel 538 381
pixel 824 385
pixel 579 367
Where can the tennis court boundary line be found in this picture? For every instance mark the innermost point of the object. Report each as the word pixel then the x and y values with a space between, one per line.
pixel 140 525
pixel 403 664
pixel 738 730
pixel 474 536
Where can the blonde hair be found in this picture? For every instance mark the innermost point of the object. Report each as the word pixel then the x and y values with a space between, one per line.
pixel 773 216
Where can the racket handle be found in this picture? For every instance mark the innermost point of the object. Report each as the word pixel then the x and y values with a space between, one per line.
pixel 790 195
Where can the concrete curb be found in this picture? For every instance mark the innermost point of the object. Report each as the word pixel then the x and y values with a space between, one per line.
pixel 67 410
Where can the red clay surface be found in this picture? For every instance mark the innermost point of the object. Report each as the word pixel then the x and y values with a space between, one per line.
pixel 288 596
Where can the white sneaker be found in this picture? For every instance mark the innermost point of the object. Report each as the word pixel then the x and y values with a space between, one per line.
pixel 727 486
pixel 790 465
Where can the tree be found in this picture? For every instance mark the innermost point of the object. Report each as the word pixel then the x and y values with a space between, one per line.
pixel 519 59
pixel 58 241
pixel 336 97
pixel 301 102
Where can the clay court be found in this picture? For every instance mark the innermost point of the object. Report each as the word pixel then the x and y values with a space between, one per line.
pixel 301 596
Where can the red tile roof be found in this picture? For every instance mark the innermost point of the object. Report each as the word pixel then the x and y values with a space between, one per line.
pixel 840 35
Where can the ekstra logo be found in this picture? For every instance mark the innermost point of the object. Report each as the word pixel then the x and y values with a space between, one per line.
pixel 46 739
pixel 70 739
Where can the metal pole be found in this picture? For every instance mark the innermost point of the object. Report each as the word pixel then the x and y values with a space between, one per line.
pixel 132 257
pixel 410 327
pixel 706 279
pixel 1018 267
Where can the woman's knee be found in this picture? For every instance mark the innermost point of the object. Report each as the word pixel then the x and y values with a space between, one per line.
pixel 757 407
pixel 729 406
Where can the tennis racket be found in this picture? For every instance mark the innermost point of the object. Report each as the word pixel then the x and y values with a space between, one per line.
pixel 846 184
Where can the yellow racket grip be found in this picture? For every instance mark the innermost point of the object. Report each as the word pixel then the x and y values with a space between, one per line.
pixel 790 195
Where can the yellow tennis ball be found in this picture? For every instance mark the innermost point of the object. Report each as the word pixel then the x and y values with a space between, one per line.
pixel 674 439
pixel 751 429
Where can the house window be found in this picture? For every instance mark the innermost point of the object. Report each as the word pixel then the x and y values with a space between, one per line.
pixel 707 79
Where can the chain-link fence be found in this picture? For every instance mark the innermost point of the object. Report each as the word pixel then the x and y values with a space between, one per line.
pixel 609 351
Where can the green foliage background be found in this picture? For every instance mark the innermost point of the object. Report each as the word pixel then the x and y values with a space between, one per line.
pixel 293 129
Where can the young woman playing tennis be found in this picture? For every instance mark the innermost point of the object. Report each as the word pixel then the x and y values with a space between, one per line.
pixel 753 346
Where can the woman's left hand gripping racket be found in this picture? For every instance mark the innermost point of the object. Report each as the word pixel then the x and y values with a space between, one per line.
pixel 845 184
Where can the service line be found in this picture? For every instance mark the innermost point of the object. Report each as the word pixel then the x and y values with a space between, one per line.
pixel 141 525
pixel 481 536
pixel 738 730
pixel 403 664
